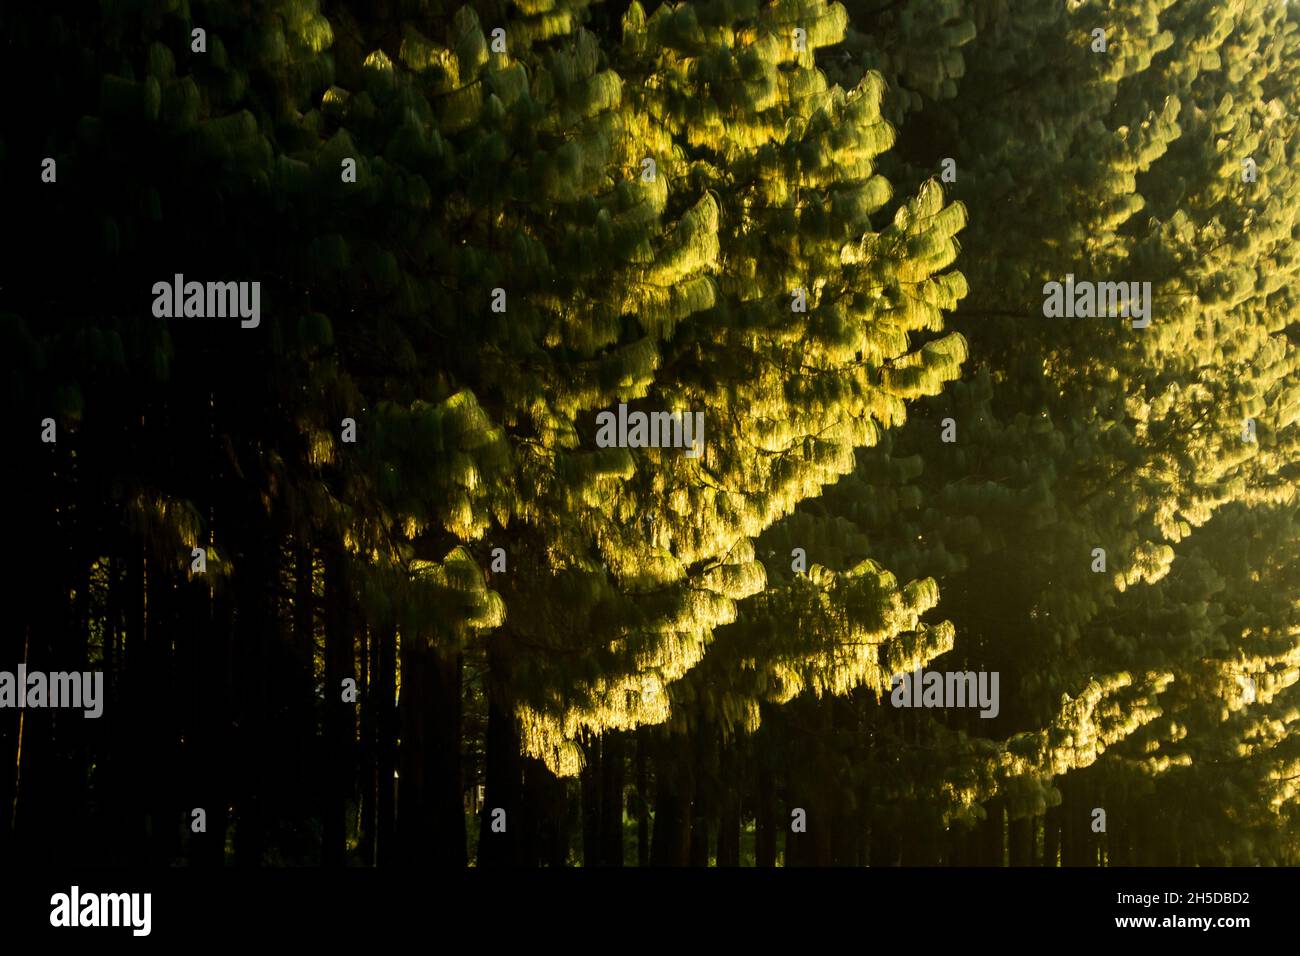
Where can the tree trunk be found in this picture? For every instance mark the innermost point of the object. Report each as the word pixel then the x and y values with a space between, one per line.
pixel 502 769
pixel 589 779
pixel 1020 840
pixel 156 741
pixel 256 630
pixel 992 835
pixel 206 668
pixel 414 832
pixel 765 817
pixel 445 771
pixel 309 762
pixel 340 715
pixel 546 816
pixel 611 799
pixel 672 836
pixel 1051 836
pixel 701 806
pixel 366 750
pixel 387 724
pixel 130 774
pixel 729 804
pixel 642 799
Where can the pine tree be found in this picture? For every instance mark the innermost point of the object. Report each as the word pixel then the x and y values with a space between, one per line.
pixel 477 228
pixel 1073 434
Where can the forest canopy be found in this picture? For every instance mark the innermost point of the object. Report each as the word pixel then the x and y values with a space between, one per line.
pixel 584 433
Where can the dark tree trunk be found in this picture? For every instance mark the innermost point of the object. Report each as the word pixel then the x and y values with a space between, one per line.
pixel 309 761
pixel 215 721
pixel 130 730
pixel 1051 836
pixel 672 836
pixel 1069 833
pixel 387 724
pixel 1020 840
pixel 611 799
pixel 445 772
pixel 340 715
pixel 502 770
pixel 822 830
pixel 253 579
pixel 35 811
pixel 415 834
pixel 992 834
pixel 958 848
pixel 1078 840
pixel 430 812
pixel 545 815
pixel 589 779
pixel 729 804
pixel 74 727
pixel 366 750
pixel 1116 838
pixel 156 742
pixel 207 668
pixel 765 817
pixel 642 799
pixel 842 849
pixel 702 805
pixel 805 783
